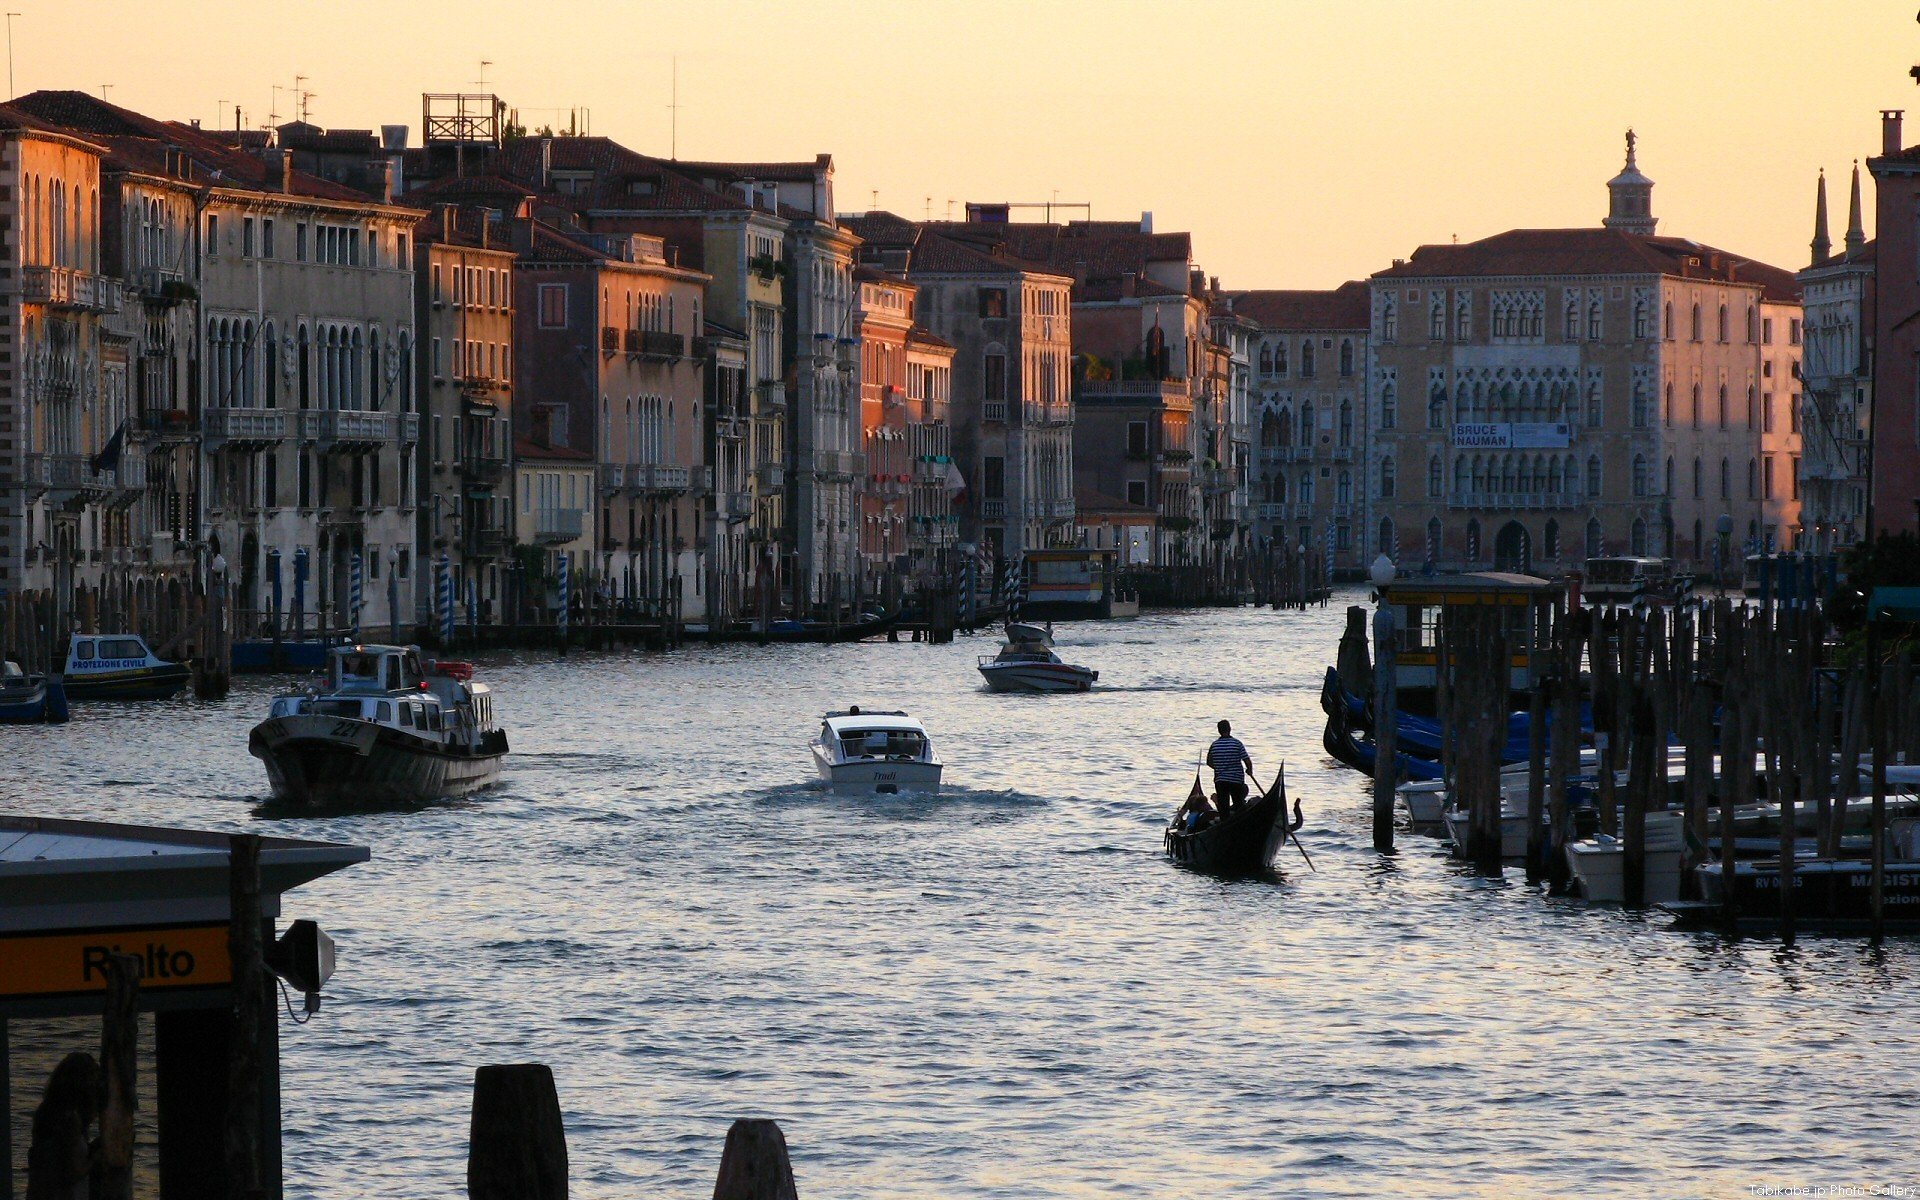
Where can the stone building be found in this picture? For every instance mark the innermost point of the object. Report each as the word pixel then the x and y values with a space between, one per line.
pixel 1312 419
pixel 301 383
pixel 1893 498
pixel 1543 396
pixel 464 309
pixel 1008 322
pixel 934 481
pixel 884 312
pixel 1836 381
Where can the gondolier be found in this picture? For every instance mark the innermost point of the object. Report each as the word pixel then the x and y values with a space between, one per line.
pixel 1230 764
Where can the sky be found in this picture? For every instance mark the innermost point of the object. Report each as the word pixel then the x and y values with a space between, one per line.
pixel 1301 143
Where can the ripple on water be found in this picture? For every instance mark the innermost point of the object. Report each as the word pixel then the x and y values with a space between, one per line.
pixel 1002 992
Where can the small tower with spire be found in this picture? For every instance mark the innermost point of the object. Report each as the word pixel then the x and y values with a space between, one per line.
pixel 1822 244
pixel 1630 194
pixel 1856 232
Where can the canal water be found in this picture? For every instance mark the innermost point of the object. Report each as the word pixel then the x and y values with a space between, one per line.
pixel 1005 991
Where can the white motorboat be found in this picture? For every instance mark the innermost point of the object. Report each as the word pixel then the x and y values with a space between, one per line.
pixel 387 729
pixel 1027 663
pixel 862 753
pixel 1599 863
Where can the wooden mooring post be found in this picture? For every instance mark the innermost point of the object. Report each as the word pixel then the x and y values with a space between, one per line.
pixel 517 1144
pixel 755 1164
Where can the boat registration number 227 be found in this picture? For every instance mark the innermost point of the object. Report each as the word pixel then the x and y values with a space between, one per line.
pixel 358 734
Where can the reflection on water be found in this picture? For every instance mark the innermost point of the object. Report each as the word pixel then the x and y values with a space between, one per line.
pixel 1004 991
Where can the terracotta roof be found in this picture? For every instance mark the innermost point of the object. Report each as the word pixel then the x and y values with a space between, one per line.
pixel 926 337
pixel 622 178
pixel 1094 249
pixel 468 221
pixel 1344 307
pixel 772 172
pixel 526 447
pixel 137 142
pixel 1591 251
pixel 1087 502
pixel 1110 289
pixel 867 274
pixel 475 188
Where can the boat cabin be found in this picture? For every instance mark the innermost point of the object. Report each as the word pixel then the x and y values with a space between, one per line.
pixel 375 668
pixel 879 735
pixel 1626 578
pixel 1527 604
pixel 97 653
pixel 391 686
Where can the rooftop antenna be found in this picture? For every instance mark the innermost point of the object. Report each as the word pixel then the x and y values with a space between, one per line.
pixel 673 111
pixel 875 198
pixel 103 90
pixel 481 83
pixel 929 208
pixel 273 109
pixel 10 17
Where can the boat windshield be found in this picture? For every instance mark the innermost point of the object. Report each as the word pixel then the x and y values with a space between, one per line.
pixel 883 743
pixel 335 708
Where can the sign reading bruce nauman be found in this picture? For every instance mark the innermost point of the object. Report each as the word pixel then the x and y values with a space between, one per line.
pixel 1519 435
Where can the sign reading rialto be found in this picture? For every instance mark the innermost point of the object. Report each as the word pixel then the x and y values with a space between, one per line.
pixel 1519 435
pixel 52 964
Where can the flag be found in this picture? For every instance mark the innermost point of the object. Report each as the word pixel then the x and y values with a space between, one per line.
pixel 109 457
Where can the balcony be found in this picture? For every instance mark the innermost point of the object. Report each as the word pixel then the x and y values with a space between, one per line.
pixel 351 429
pixel 1057 510
pixel 839 464
pixel 769 398
pixel 1343 454
pixel 658 477
pixel 1518 501
pixel 161 286
pixel 486 542
pixel 609 339
pixel 1275 512
pixel 613 478
pixel 656 344
pixel 771 475
pixel 1167 393
pixel 244 428
pixel 554 525
pixel 993 510
pixel 1342 512
pixel 483 470
pixel 732 506
pixel 164 425
pixel 64 287
pixel 994 411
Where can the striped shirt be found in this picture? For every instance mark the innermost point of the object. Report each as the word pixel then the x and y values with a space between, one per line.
pixel 1225 756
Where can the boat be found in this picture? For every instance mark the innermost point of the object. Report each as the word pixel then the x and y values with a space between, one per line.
pixel 866 753
pixel 1027 663
pixel 1830 893
pixel 1624 579
pixel 868 625
pixel 118 666
pixel 1599 863
pixel 30 699
pixel 1241 843
pixel 387 728
pixel 1348 749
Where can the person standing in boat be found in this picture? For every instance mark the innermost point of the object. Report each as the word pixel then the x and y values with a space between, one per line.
pixel 1230 764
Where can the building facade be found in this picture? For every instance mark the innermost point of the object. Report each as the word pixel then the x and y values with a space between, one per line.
pixel 1576 393
pixel 1836 381
pixel 1894 403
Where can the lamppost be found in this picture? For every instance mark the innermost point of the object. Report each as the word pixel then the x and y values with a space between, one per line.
pixel 393 593
pixel 1723 551
pixel 1385 726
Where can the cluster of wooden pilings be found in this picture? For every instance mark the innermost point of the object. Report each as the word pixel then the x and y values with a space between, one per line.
pixel 1766 703
pixel 179 621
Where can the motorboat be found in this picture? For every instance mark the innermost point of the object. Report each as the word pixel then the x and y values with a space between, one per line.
pixel 119 666
pixel 29 699
pixel 1027 663
pixel 1624 579
pixel 864 753
pixel 1599 863
pixel 387 728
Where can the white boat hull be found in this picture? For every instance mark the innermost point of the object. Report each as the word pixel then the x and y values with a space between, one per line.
pixel 868 777
pixel 1600 864
pixel 1037 677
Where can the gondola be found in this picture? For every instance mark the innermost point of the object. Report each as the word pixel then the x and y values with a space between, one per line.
pixel 826 632
pixel 1242 842
pixel 1351 751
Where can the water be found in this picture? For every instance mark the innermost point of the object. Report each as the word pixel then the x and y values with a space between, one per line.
pixel 1005 992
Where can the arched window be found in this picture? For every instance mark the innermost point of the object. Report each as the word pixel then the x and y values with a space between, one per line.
pixel 1389 330
pixel 1641 482
pixel 1696 321
pixel 1277 489
pixel 1343 487
pixel 1279 358
pixel 1346 423
pixel 1668 491
pixel 1389 407
pixel 1346 358
pixel 1753 479
pixel 1433 540
pixel 249 390
pixel 1594 326
pixel 1306 423
pixel 1435 477
pixel 1696 406
pixel 1305 491
pixel 1388 546
pixel 270 364
pixel 1669 320
pixel 406 372
pixel 1437 319
pixel 1571 331
pixel 1593 475
pixel 1726 479
pixel 1437 407
pixel 1387 479
pixel 1753 324
pixel 1753 407
pixel 1283 425
pixel 374 365
pixel 1724 328
pixel 1698 479
pixel 1723 406
pixel 1306 359
pixel 1270 430
pixel 1639 536
pixel 1266 360
pixel 305 367
pixel 1642 417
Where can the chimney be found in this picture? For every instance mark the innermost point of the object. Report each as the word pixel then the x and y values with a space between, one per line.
pixel 1890 130
pixel 446 221
pixel 1080 271
pixel 380 173
pixel 286 171
pixel 1129 283
pixel 1146 222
